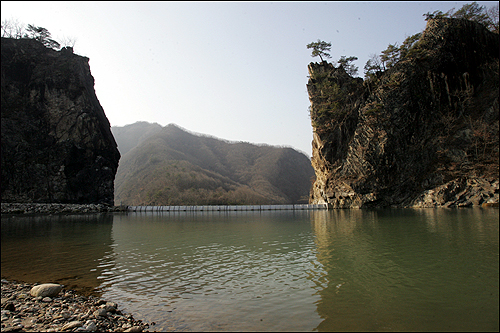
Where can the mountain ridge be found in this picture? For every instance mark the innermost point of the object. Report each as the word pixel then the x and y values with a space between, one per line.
pixel 176 166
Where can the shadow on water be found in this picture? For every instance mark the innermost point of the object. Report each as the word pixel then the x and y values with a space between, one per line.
pixel 61 249
pixel 340 270
pixel 407 270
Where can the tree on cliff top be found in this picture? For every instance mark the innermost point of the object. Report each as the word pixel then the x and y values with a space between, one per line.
pixel 319 49
pixel 347 64
pixel 42 35
pixel 14 29
pixel 472 12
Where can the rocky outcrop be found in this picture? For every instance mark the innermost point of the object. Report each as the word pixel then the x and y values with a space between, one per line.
pixel 424 133
pixel 57 146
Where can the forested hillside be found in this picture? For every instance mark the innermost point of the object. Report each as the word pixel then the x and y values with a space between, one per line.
pixel 170 166
pixel 129 136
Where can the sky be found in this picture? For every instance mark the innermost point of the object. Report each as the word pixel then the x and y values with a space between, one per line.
pixel 233 70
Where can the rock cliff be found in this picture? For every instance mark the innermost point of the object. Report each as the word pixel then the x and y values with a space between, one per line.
pixel 423 133
pixel 57 146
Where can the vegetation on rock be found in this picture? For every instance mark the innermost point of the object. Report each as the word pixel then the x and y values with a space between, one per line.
pixel 425 115
pixel 319 49
pixel 57 145
pixel 13 29
pixel 170 166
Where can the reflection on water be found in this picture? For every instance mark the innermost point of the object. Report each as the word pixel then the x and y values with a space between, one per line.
pixel 61 249
pixel 400 270
pixel 215 271
pixel 341 270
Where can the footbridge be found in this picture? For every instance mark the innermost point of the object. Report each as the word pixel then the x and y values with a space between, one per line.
pixel 224 208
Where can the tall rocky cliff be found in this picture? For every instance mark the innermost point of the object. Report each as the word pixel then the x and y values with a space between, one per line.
pixel 57 146
pixel 423 133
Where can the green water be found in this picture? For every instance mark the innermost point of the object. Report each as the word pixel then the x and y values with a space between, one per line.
pixel 341 270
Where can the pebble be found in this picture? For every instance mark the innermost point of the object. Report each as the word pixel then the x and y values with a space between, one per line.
pixel 66 312
pixel 71 325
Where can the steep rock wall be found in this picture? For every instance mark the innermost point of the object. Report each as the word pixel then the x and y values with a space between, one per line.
pixel 422 134
pixel 57 146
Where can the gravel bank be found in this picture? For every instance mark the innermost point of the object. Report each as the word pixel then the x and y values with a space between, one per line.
pixel 55 208
pixel 67 311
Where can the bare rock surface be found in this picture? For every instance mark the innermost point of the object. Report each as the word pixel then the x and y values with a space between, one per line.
pixel 57 145
pixel 422 133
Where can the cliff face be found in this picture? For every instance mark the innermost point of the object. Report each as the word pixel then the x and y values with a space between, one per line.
pixel 57 144
pixel 424 133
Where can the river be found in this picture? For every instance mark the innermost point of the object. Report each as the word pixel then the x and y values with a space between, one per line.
pixel 318 270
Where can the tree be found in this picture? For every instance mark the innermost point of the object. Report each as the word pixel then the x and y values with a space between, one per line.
pixel 408 44
pixel 346 63
pixel 434 15
pixel 492 13
pixel 390 56
pixel 67 41
pixel 373 66
pixel 12 29
pixel 42 35
pixel 319 49
pixel 471 12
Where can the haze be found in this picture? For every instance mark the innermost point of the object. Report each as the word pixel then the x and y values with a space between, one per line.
pixel 234 70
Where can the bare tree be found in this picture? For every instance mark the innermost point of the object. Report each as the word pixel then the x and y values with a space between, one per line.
pixel 373 66
pixel 492 13
pixel 66 41
pixel 12 28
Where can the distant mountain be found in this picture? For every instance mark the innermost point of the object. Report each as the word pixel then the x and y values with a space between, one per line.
pixel 129 136
pixel 170 166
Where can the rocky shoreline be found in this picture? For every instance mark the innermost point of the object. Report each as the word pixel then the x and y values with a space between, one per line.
pixel 57 208
pixel 25 310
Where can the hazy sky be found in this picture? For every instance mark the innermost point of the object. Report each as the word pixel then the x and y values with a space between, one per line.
pixel 234 70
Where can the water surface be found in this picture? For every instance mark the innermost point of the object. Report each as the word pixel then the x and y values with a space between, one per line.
pixel 380 270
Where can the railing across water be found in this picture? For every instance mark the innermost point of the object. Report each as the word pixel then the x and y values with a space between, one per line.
pixel 223 208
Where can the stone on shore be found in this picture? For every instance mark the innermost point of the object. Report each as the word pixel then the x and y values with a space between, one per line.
pixel 71 325
pixel 67 312
pixel 46 290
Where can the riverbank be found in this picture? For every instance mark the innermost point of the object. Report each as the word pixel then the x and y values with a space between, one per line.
pixel 56 208
pixel 67 311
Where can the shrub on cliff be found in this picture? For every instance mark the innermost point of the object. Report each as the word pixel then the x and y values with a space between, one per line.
pixel 411 48
pixel 42 35
pixel 14 29
pixel 472 12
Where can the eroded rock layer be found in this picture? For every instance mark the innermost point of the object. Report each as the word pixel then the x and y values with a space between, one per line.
pixel 423 133
pixel 57 145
